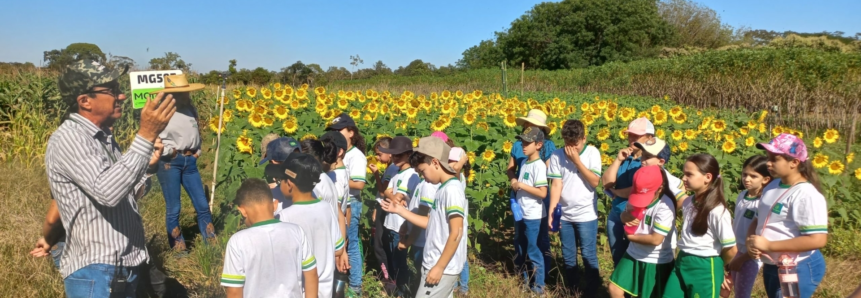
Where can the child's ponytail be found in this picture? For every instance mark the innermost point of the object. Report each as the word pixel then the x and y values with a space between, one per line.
pixel 358 140
pixel 806 169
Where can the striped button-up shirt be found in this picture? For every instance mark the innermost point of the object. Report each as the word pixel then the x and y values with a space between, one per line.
pixel 94 185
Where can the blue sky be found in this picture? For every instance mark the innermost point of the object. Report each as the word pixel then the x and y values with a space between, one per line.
pixel 275 34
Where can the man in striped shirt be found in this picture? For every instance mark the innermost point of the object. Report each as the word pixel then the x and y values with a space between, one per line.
pixel 94 183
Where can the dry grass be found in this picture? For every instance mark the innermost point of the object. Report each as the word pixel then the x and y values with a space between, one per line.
pixel 24 197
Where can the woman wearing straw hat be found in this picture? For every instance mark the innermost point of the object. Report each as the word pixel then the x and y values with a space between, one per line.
pixel 178 165
pixel 535 118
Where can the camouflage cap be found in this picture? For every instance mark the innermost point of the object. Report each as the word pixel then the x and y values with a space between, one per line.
pixel 83 75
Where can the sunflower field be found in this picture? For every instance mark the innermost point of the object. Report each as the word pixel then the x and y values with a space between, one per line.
pixel 484 125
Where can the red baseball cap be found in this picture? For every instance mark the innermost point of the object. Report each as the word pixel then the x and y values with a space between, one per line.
pixel 647 181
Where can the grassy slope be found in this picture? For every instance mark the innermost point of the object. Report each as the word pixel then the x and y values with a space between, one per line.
pixel 24 196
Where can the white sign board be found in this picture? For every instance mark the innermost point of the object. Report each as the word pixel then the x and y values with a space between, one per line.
pixel 144 82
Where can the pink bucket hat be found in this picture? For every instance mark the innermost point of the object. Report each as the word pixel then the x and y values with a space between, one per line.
pixel 641 126
pixel 786 144
pixel 441 135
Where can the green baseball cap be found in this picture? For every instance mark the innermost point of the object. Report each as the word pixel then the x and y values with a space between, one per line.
pixel 81 76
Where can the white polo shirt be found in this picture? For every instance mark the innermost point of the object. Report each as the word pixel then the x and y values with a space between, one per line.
pixel 326 191
pixel 268 260
pixel 424 195
pixel 450 201
pixel 659 218
pixel 404 182
pixel 578 197
pixel 802 210
pixel 342 186
pixel 718 236
pixel 356 164
pixel 745 212
pixel 321 224
pixel 532 173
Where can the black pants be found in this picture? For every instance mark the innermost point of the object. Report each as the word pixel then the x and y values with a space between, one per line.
pixel 379 231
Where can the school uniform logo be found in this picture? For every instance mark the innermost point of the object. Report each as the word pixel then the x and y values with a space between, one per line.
pixel 648 220
pixel 777 208
pixel 526 176
pixel 749 213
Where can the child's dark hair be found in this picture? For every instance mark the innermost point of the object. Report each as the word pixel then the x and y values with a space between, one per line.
pixel 806 169
pixel 759 164
pixel 358 140
pixel 307 170
pixel 573 130
pixel 325 155
pixel 665 190
pixel 253 191
pixel 382 142
pixel 713 196
pixel 419 158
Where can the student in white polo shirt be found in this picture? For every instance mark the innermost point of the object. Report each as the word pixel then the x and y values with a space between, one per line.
pixel 399 191
pixel 648 261
pixel 531 187
pixel 445 250
pixel 575 170
pixel 707 240
pixel 420 204
pixel 269 258
pixel 792 218
pixel 313 215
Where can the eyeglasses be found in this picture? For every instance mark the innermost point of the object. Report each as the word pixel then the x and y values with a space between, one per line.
pixel 112 92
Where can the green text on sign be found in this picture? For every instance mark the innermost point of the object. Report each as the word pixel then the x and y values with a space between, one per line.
pixel 140 96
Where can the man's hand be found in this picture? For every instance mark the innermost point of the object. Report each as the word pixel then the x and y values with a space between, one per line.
pixel 573 153
pixel 434 275
pixel 624 153
pixel 158 149
pixel 42 248
pixel 155 115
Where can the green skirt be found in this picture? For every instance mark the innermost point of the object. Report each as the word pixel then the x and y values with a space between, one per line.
pixel 641 279
pixel 695 276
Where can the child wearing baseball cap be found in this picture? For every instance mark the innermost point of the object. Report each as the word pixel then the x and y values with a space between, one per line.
pixel 445 225
pixel 531 188
pixel 792 217
pixel 647 263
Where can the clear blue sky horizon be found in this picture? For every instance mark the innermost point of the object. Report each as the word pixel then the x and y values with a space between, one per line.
pixel 275 34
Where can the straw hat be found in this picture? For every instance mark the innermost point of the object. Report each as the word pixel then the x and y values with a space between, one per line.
pixel 536 117
pixel 178 83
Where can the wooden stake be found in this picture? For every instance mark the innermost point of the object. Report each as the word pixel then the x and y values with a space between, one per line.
pixel 849 140
pixel 522 68
pixel 217 143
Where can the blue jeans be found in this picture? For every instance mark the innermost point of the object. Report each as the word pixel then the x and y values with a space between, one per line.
pixel 527 232
pixel 417 255
pixel 354 250
pixel 94 281
pixel 463 283
pixel 397 262
pixel 57 253
pixel 182 171
pixel 810 273
pixel 616 230
pixel 582 235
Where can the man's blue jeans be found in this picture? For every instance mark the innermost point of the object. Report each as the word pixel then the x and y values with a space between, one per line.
pixel 354 250
pixel 95 281
pixel 582 235
pixel 616 230
pixel 810 273
pixel 182 171
pixel 527 232
pixel 57 253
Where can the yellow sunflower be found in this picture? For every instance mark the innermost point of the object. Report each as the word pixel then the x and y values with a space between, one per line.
pixel 237 93
pixel 288 91
pixel 256 120
pixel 763 115
pixel 683 146
pixel 279 95
pixel 761 128
pixel 488 155
pixel 213 124
pixel 446 95
pixel 458 94
pixel 817 142
pixel 623 134
pixel 267 94
pixel 510 121
pixel 280 112
pixel 606 160
pixel 609 115
pixel 471 156
pixel 321 90
pixel 588 119
pixel 506 147
pixel 680 118
pixel 438 125
pixel 660 133
pixel 850 157
pixel 820 160
pixel 750 141
pixel 678 135
pixel 777 130
pixel 355 114
pixel 603 134
pixel 251 92
pixel 301 94
pixel 476 93
pixel 276 86
pixel 469 118
pixel 627 114
pixel 552 127
pixel 412 112
pixel 751 124
pixel 367 118
pixel 831 136
pixel 858 173
pixel 675 111
pixel 244 144
pixel 655 109
pixel 290 126
pixel 836 167
pixel 268 121
pixel 584 107
pixel 719 125
pixel 343 103
pixel 644 114
pixel 605 147
pixel 308 136
pixel 743 131
pixel 482 125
